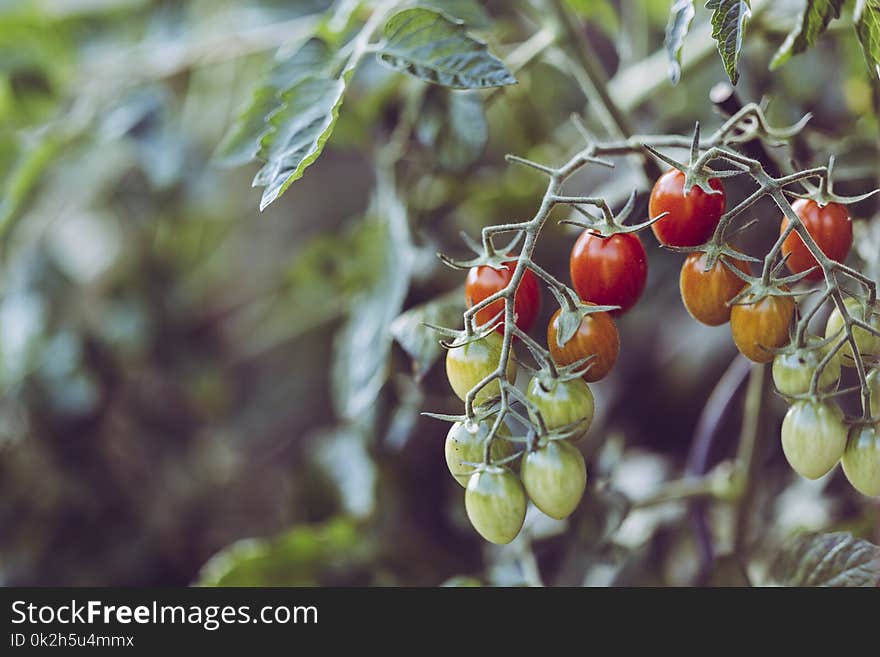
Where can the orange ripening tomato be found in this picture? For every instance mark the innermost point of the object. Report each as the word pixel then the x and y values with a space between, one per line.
pixel 692 217
pixel 484 281
pixel 597 335
pixel 761 326
pixel 609 271
pixel 706 293
pixel 830 225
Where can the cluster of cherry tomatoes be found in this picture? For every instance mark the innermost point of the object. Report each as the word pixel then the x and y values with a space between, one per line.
pixel 610 269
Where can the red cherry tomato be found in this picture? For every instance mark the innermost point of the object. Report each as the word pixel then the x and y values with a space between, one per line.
pixel 831 227
pixel 706 293
pixel 609 271
pixel 484 281
pixel 596 336
pixel 692 217
pixel 760 326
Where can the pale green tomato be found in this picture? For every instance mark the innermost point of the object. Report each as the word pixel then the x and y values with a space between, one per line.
pixel 565 403
pixel 469 364
pixel 813 437
pixel 466 446
pixel 793 371
pixel 867 343
pixel 861 460
pixel 496 504
pixel 555 477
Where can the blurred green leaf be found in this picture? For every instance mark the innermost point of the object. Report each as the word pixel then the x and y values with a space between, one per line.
pixel 680 17
pixel 602 12
pixel 729 18
pixel 418 341
pixel 433 48
pixel 302 556
pixel 363 345
pixel 867 21
pixel 810 25
pixel 452 124
pixel 470 12
pixel 835 559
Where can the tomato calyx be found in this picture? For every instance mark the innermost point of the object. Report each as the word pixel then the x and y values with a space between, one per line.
pixel 610 224
pixel 461 337
pixel 715 252
pixel 487 254
pixel 823 194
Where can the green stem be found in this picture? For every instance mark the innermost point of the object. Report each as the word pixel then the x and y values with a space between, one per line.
pixel 745 457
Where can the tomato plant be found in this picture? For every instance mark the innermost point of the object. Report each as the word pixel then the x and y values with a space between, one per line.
pixel 830 225
pixel 609 271
pixel 867 343
pixel 596 338
pixel 555 476
pixel 760 326
pixel 496 504
pixel 692 216
pixel 484 281
pixel 707 293
pixel 813 437
pixel 470 363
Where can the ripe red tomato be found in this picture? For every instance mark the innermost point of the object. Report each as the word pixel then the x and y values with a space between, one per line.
pixel 692 217
pixel 484 281
pixel 609 271
pixel 706 293
pixel 597 335
pixel 761 326
pixel 831 227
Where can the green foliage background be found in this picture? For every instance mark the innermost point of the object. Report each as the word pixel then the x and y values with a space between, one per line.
pixel 182 373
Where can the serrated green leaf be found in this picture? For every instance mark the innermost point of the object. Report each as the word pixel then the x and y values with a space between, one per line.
pixel 867 23
pixel 420 343
pixel 297 134
pixel 242 142
pixel 680 17
pixel 729 18
pixel 811 23
pixel 835 559
pixel 428 45
pixel 453 125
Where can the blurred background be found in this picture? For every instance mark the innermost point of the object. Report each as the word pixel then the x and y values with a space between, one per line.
pixel 194 391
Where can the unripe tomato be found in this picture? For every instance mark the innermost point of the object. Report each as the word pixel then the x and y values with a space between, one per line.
pixel 469 364
pixel 813 437
pixel 829 225
pixel 565 403
pixel 597 335
pixel 793 371
pixel 760 326
pixel 495 502
pixel 868 344
pixel 692 217
pixel 861 460
pixel 555 477
pixel 465 444
pixel 874 386
pixel 484 281
pixel 706 293
pixel 609 271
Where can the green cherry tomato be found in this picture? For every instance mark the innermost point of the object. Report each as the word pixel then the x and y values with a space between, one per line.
pixel 874 386
pixel 813 437
pixel 465 444
pixel 867 343
pixel 563 404
pixel 496 504
pixel 469 364
pixel 861 460
pixel 793 371
pixel 555 477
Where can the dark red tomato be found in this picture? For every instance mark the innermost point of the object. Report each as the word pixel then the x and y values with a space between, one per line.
pixel 484 281
pixel 692 217
pixel 596 336
pixel 831 227
pixel 609 271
